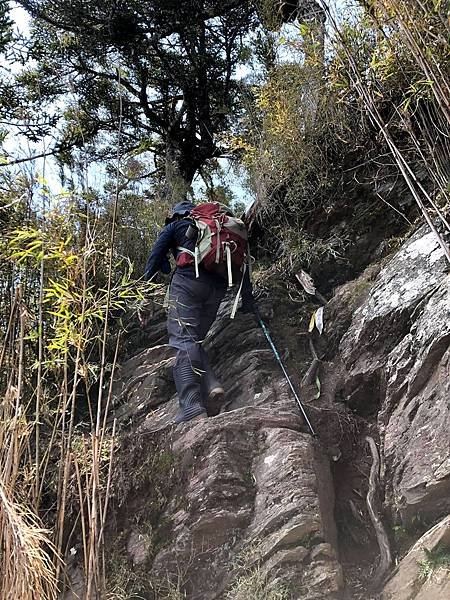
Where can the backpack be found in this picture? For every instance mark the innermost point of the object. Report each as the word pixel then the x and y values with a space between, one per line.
pixel 221 245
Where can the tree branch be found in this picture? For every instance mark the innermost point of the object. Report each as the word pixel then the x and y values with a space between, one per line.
pixel 52 152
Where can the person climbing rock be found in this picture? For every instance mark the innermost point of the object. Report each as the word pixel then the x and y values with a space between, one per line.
pixel 194 297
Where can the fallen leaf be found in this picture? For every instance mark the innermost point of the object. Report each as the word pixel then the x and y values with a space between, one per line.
pixel 319 319
pixel 306 282
pixel 319 387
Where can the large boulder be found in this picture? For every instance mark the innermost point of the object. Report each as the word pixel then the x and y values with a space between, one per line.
pixel 255 490
pixel 396 357
pixel 251 497
pixel 245 501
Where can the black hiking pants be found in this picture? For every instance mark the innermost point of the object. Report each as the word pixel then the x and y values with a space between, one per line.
pixel 193 306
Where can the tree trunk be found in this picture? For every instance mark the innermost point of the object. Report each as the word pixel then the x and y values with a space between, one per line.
pixel 178 178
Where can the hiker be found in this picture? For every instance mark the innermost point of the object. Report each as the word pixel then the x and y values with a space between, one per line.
pixel 195 294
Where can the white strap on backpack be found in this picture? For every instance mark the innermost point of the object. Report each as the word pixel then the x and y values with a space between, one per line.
pixel 229 270
pixel 238 295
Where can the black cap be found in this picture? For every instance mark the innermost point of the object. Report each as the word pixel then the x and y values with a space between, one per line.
pixel 180 209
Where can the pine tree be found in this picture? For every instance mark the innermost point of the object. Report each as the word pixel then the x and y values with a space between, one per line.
pixel 5 25
pixel 166 68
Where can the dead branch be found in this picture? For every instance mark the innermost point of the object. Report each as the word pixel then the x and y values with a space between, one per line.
pixel 373 505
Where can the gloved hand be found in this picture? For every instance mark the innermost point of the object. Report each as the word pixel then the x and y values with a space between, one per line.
pixel 165 266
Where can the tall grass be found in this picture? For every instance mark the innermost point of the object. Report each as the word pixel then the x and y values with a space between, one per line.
pixel 27 566
pixel 58 353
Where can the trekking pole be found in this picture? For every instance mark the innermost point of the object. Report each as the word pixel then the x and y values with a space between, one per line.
pixel 280 362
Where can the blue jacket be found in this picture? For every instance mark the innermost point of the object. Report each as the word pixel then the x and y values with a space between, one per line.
pixel 174 235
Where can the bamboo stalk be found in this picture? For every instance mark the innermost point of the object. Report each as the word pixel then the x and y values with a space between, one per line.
pixel 39 386
pixel 93 576
pixel 101 541
pixel 62 481
pixel 12 316
pixel 83 522
pixel 408 175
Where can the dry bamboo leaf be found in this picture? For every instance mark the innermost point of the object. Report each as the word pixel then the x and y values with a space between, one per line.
pixel 312 322
pixel 306 282
pixel 319 387
pixel 319 319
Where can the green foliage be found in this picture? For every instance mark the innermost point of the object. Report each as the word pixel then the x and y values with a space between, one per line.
pixel 310 135
pixel 249 580
pixel 284 148
pixel 66 287
pixel 14 194
pixel 165 70
pixel 303 248
pixel 253 584
pixel 5 25
pixel 406 533
pixel 125 581
pixel 435 559
pixel 239 208
pixel 400 533
pixel 73 313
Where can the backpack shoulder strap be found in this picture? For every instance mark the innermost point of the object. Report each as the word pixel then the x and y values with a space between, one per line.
pixel 195 256
pixel 238 295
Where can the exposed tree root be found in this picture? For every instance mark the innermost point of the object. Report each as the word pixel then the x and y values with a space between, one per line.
pixel 373 505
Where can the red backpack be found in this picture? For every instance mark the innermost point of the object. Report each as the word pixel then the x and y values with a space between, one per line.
pixel 222 242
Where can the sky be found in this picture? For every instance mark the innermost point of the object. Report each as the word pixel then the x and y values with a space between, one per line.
pixel 20 16
pixel 20 147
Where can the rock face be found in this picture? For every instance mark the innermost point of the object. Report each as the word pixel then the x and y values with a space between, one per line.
pixel 254 498
pixel 243 504
pixel 424 573
pixel 255 486
pixel 396 353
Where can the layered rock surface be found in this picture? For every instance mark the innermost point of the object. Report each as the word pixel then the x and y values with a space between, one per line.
pixel 211 506
pixel 254 492
pixel 396 354
pixel 423 574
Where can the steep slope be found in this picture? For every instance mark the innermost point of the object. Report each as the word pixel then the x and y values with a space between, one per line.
pixel 254 491
pixel 247 504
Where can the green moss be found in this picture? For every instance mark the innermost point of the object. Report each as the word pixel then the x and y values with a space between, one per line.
pixel 434 559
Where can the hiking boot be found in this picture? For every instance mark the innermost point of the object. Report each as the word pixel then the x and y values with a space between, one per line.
pixel 200 417
pixel 215 401
pixel 212 395
pixel 186 374
pixel 212 389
